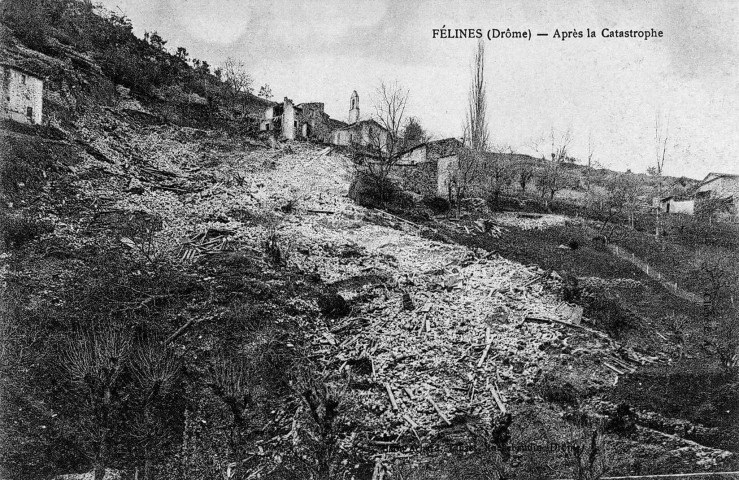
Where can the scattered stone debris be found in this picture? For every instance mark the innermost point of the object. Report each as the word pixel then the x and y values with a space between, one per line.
pixel 435 336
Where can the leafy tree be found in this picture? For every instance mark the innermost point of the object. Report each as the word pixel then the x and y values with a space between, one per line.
pixel 476 123
pixel 413 133
pixel 182 54
pixel 156 41
pixel 265 92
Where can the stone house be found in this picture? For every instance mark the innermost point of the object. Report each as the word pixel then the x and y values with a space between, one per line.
pixel 360 133
pixel 364 133
pixel 22 95
pixel 427 168
pixel 720 186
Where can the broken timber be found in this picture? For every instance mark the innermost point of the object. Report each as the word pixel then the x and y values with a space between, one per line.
pixel 438 410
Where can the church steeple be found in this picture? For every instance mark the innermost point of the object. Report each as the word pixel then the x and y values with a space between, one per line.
pixel 354 108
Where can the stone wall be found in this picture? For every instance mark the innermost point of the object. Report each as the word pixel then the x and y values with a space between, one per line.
pixel 415 156
pixel 446 168
pixel 419 178
pixel 288 120
pixel 682 206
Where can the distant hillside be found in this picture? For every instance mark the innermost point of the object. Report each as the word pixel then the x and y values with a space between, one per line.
pixel 604 178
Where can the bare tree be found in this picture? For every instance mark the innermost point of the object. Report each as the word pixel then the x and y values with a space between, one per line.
pixel 238 79
pixel 718 269
pixel 95 362
pixel 590 163
pixel 622 197
pixel 631 197
pixel 661 135
pixel 156 369
pixel 552 176
pixel 525 171
pixel 390 114
pixel 497 170
pixel 376 158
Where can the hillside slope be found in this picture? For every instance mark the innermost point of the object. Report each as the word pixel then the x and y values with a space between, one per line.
pixel 184 302
pixel 224 248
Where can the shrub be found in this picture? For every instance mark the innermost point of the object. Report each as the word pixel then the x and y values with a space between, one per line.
pixel 16 231
pixel 571 290
pixel 277 253
pixel 368 190
pixel 556 388
pixel 333 305
pixel 608 313
pixel 438 205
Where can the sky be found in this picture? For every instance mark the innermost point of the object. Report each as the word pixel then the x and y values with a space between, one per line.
pixel 607 92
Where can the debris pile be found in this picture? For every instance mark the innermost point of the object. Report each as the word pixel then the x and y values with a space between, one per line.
pixel 436 339
pixel 529 221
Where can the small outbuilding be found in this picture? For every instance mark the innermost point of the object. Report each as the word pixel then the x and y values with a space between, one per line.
pixel 671 204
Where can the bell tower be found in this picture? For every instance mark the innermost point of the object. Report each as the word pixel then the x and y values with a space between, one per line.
pixel 354 108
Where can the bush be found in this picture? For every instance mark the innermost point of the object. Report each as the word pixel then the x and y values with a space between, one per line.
pixel 558 389
pixel 438 205
pixel 16 231
pixel 368 190
pixel 277 252
pixel 608 314
pixel 333 305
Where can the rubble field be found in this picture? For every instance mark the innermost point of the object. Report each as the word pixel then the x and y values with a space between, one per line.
pixel 437 342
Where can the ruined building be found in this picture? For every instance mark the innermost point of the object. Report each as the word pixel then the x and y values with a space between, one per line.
pixel 309 121
pixel 22 95
pixel 363 133
pixel 305 121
